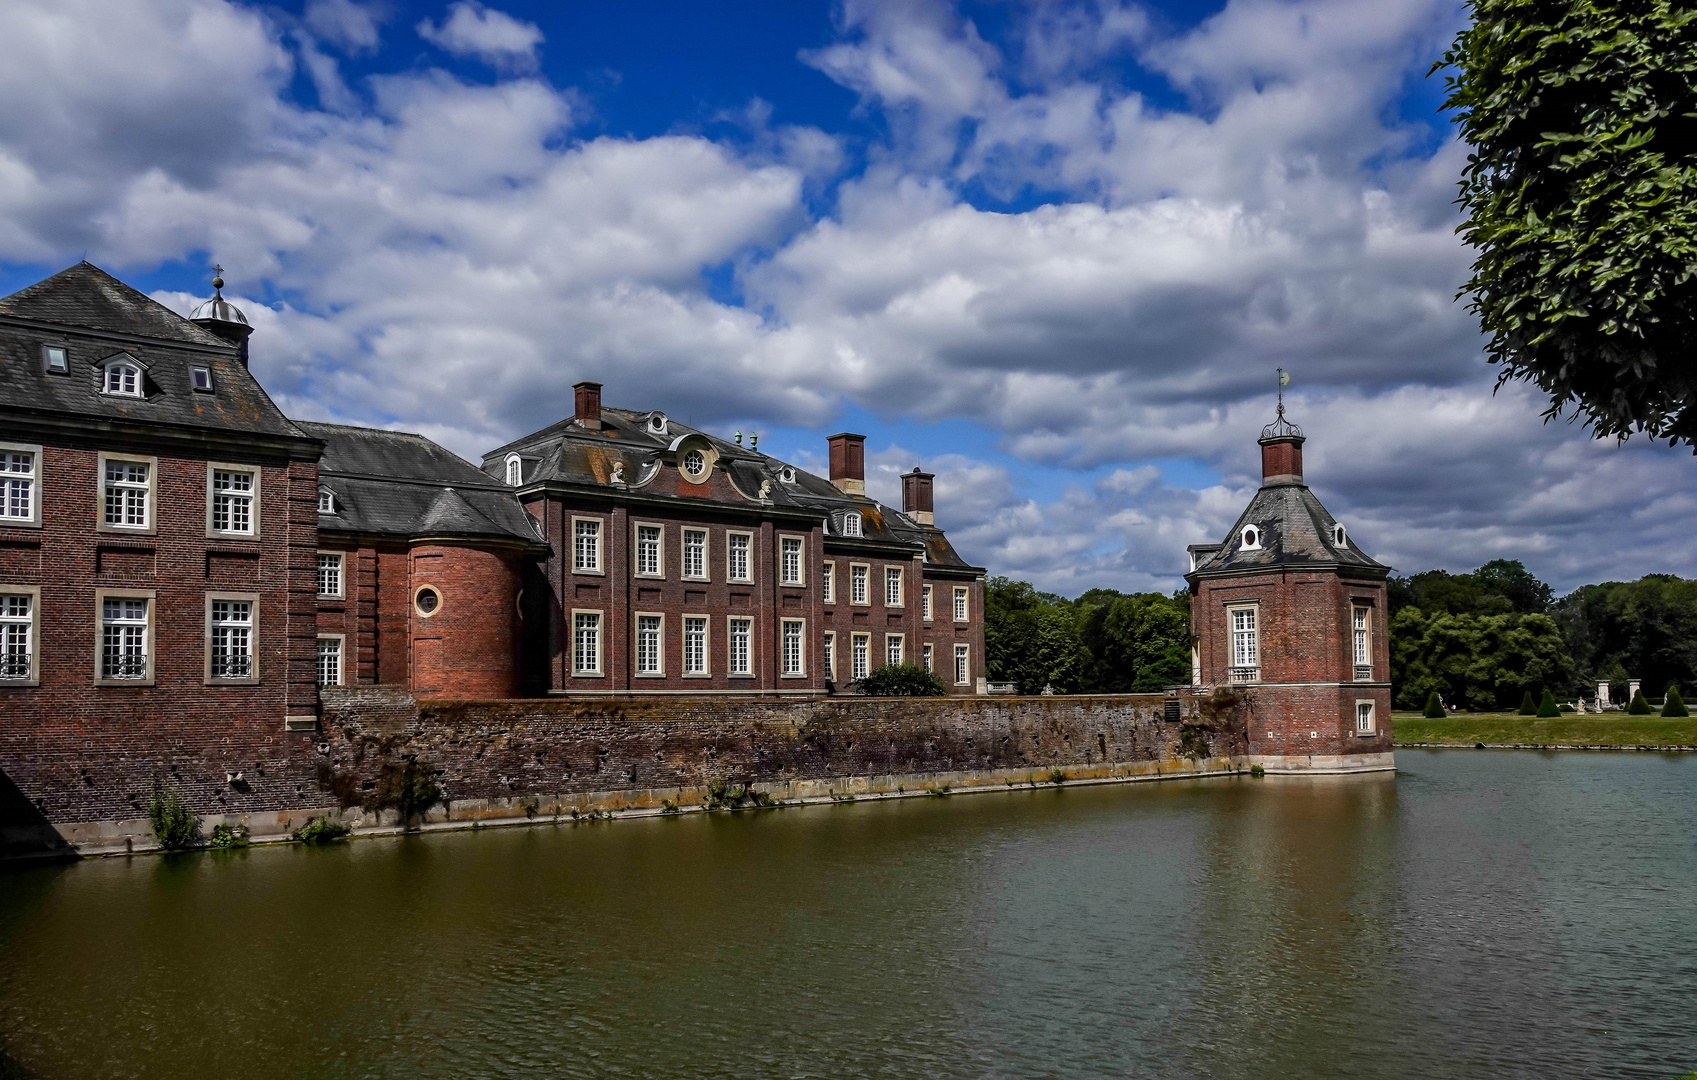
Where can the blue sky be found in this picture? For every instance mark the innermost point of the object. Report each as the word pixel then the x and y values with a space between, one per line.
pixel 1051 251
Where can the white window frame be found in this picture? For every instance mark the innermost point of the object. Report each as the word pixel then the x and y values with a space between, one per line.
pixel 326 500
pixel 599 630
pixel 514 474
pixel 860 656
pixel 1371 715
pixel 341 558
pixel 659 669
pixel 895 645
pixel 31 632
pixel 31 479
pixel 860 584
pixel 896 576
pixel 148 634
pixel 599 566
pixel 63 367
pixel 1340 535
pixel 150 493
pixel 787 545
pixel 925 601
pixel 928 655
pixel 252 625
pixel 828 643
pixel 747 575
pixel 963 664
pixel 1361 635
pixel 341 653
pixel 828 580
pixel 200 378
pixel 659 550
pixel 746 624
pixel 854 524
pixel 694 476
pixel 705 671
pixel 963 603
pixel 213 468
pixel 1235 637
pixel 109 367
pixel 1250 538
pixel 792 630
pixel 702 572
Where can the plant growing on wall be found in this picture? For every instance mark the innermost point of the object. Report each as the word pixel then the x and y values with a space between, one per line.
pixel 408 787
pixel 900 680
pixel 174 825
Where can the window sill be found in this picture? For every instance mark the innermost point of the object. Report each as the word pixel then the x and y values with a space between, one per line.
pixel 589 573
pixel 649 675
pixel 18 684
pixel 744 675
pixel 649 577
pixel 230 682
pixel 1366 734
pixel 123 682
pixel 19 523
pixel 698 580
pixel 233 537
pixel 589 674
pixel 125 530
pixel 697 675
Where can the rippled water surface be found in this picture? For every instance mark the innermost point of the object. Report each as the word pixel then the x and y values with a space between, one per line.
pixel 1479 914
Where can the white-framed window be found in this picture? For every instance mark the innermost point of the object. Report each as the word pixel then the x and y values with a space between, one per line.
pixel 657 423
pixel 794 637
pixel 894 646
pixel 200 378
pixel 650 658
pixel 326 501
pixel 694 465
pixel 828 581
pixel 739 645
pixel 963 664
pixel 830 655
pixel 330 660
pixel 1362 638
pixel 1364 724
pixel 20 484
pixel 1250 538
pixel 961 594
pixel 586 545
pixel 232 495
pixel 928 657
pixel 858 575
pixel 894 595
pixel 852 524
pixel 586 642
pixel 126 637
pixel 121 378
pixel 18 610
pixel 1339 537
pixel 55 359
pixel 127 493
pixel 1245 638
pixel 925 602
pixel 229 638
pixel 695 554
pixel 860 656
pixel 738 561
pixel 695 645
pixel 650 556
pixel 789 562
pixel 515 470
pixel 330 574
pixel 426 601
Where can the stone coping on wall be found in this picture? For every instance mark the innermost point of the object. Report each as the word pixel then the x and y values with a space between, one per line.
pixel 1322 764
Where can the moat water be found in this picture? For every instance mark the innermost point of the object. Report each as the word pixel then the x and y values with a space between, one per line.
pixel 1480 914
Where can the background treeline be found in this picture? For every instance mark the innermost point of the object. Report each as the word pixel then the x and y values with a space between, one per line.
pixel 1480 640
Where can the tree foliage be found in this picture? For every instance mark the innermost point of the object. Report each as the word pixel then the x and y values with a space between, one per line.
pixel 1673 704
pixel 1103 642
pixel 1499 587
pixel 1475 661
pixel 1644 629
pixel 901 680
pixel 1581 202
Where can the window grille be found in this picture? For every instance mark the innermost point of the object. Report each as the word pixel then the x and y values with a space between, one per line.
pixel 736 556
pixel 127 492
pixel 515 471
pixel 123 379
pixel 695 553
pixel 329 661
pixel 17 485
pixel 857 584
pixel 232 501
pixel 586 643
pixel 741 655
pixel 329 575
pixel 695 645
pixel 792 560
pixel 926 652
pixel 892 649
pixel 326 501
pixel 1363 645
pixel 830 645
pixel 960 605
pixel 963 665
pixel 232 639
pixel 892 586
pixel 1364 717
pixel 123 639
pixel 648 644
pixel 860 656
pixel 586 546
pixel 793 629
pixel 925 601
pixel 828 582
pixel 648 550
pixel 17 626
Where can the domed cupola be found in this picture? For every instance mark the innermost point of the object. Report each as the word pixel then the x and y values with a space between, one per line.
pixel 222 317
pixel 1281 445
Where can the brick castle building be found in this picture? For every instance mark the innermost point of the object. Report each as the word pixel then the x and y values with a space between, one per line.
pixel 1288 611
pixel 179 557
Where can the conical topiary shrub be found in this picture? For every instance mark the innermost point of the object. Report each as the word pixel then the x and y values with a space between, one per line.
pixel 1547 706
pixel 1528 707
pixel 1639 706
pixel 1434 707
pixel 1674 705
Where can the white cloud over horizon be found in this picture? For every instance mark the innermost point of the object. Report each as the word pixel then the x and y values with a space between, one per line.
pixel 451 257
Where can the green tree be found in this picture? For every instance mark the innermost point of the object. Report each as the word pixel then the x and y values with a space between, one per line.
pixel 901 680
pixel 1500 587
pixel 1477 662
pixel 1673 704
pixel 1547 707
pixel 1137 644
pixel 1581 202
pixel 1527 706
pixel 1434 707
pixel 1031 638
pixel 1644 629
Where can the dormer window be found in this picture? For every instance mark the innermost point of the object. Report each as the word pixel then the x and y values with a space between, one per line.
pixel 1250 538
pixel 657 424
pixel 852 524
pixel 123 379
pixel 200 377
pixel 55 359
pixel 787 475
pixel 1339 539
pixel 515 470
pixel 326 501
pixel 695 465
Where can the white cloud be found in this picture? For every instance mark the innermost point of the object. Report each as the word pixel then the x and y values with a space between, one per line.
pixel 492 36
pixel 347 24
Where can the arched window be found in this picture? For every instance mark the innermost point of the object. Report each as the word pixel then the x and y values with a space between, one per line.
pixel 122 378
pixel 1251 538
pixel 851 524
pixel 1339 538
pixel 326 501
pixel 515 470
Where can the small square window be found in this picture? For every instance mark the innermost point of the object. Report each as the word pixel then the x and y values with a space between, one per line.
pixel 55 359
pixel 202 378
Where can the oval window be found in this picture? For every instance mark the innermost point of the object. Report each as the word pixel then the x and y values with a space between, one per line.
pixel 1251 537
pixel 427 600
pixel 694 463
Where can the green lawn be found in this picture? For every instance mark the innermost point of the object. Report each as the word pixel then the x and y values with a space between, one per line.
pixel 1615 729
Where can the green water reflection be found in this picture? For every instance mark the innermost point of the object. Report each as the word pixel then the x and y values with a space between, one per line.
pixel 1479 914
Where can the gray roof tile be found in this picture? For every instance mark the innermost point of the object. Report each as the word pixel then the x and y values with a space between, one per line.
pixel 1296 531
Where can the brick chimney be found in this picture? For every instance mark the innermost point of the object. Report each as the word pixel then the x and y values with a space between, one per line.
pixel 848 463
pixel 588 412
pixel 1281 451
pixel 916 496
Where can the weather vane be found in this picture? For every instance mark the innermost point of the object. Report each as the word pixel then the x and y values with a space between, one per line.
pixel 1284 381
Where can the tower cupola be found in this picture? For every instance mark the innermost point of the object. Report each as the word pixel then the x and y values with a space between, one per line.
pixel 222 317
pixel 1281 445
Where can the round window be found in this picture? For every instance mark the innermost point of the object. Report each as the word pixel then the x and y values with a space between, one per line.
pixel 694 463
pixel 427 600
pixel 1251 537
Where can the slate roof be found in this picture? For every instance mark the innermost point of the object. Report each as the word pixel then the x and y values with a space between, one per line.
pixel 568 454
pixel 395 483
pixel 63 309
pixel 1296 532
